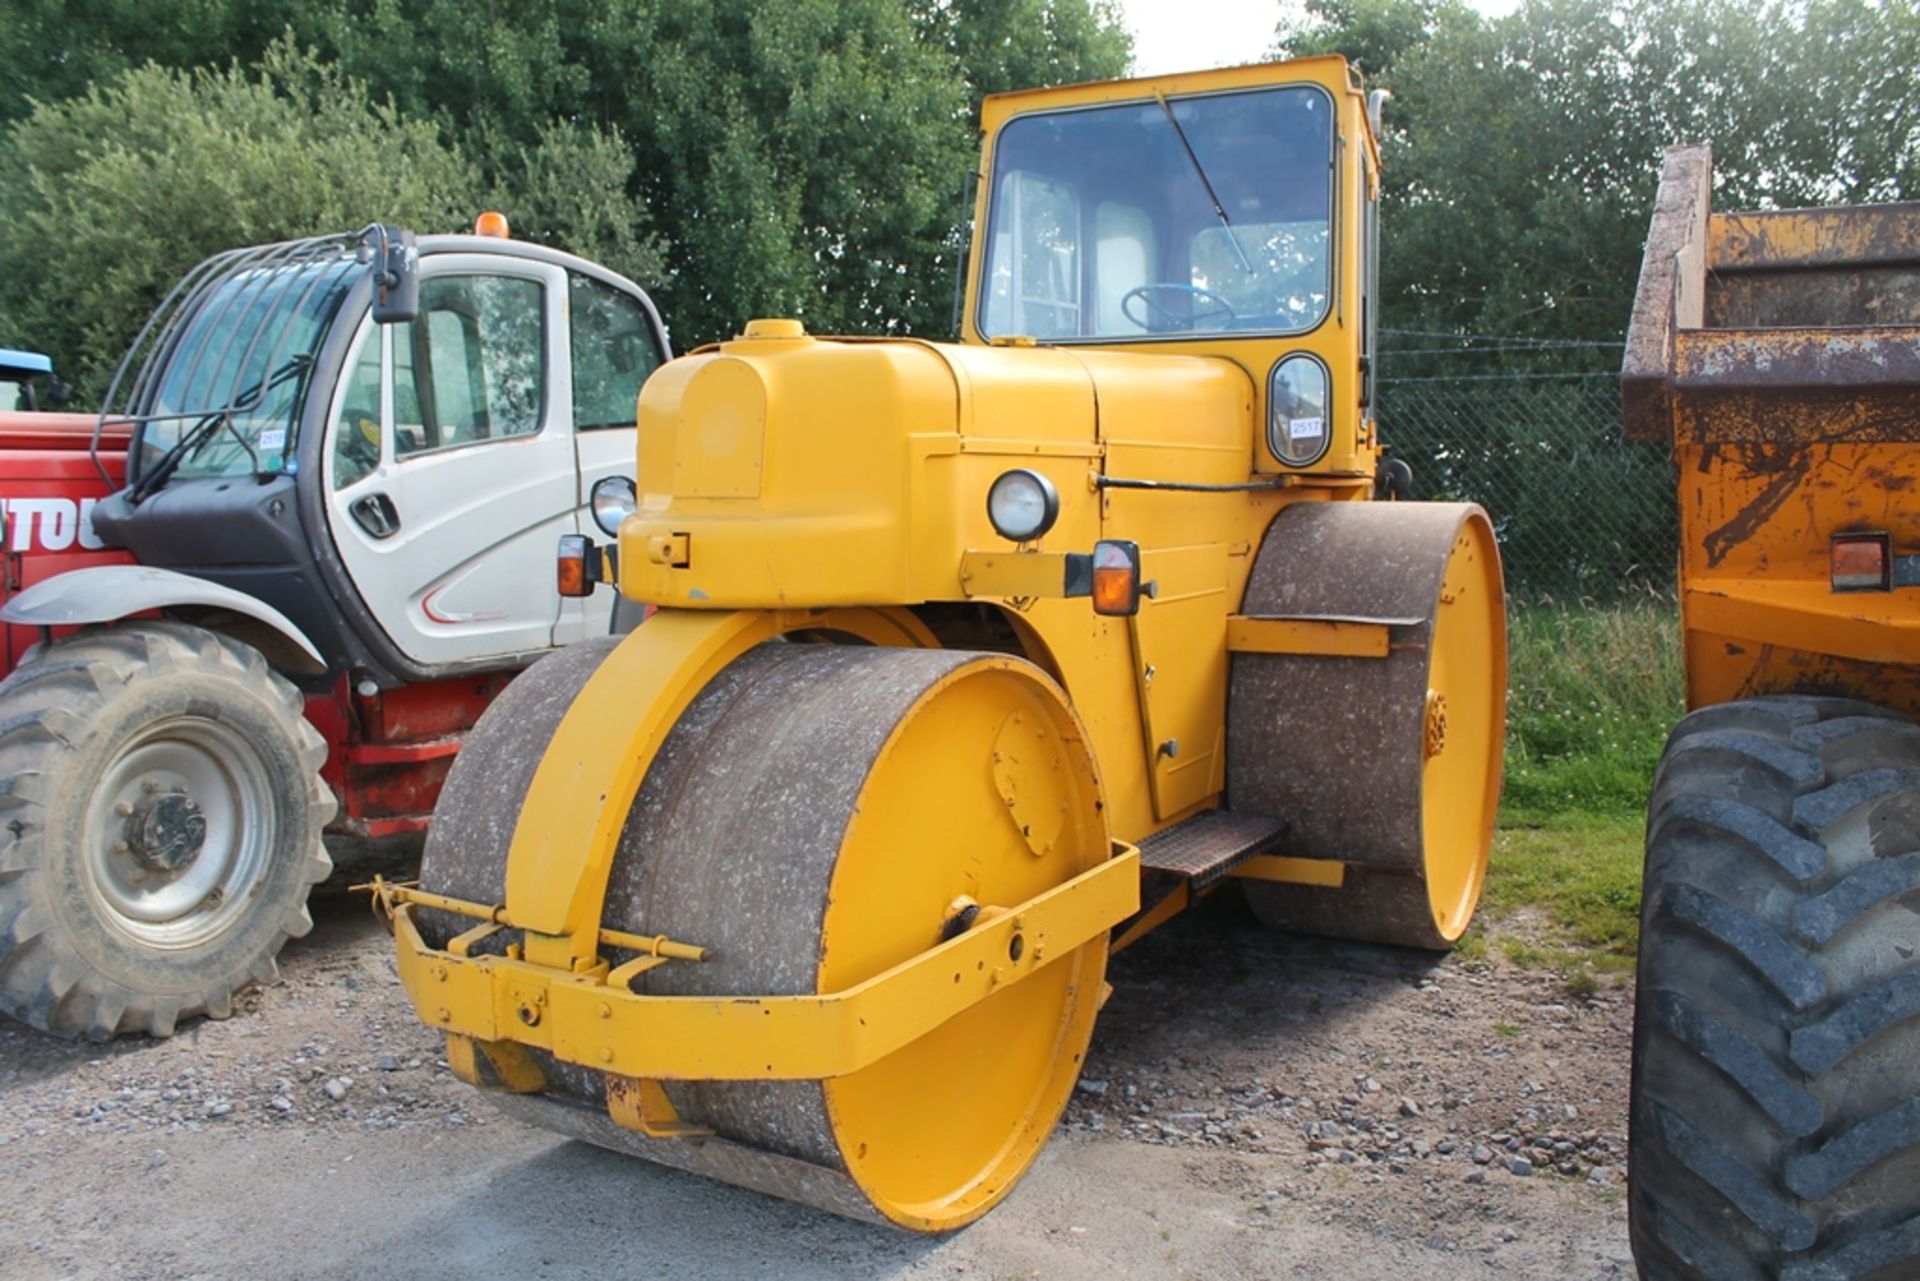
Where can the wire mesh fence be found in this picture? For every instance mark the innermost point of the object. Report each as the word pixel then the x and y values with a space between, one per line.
pixel 1580 511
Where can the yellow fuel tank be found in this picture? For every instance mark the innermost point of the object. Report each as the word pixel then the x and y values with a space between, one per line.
pixel 784 470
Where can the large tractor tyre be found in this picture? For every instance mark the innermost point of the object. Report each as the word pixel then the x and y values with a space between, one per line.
pixel 1390 765
pixel 1775 1127
pixel 812 818
pixel 160 816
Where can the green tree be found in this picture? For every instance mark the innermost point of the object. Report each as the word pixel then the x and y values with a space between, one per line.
pixel 801 159
pixel 56 49
pixel 109 197
pixel 1521 158
pixel 1002 45
pixel 736 158
pixel 1522 152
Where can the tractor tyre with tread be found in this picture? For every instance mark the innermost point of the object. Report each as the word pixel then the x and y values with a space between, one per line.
pixel 160 818
pixel 1775 1128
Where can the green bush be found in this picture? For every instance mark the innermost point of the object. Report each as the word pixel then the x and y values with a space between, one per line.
pixel 110 197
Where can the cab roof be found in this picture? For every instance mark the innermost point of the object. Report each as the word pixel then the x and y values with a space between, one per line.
pixel 1328 69
pixel 17 364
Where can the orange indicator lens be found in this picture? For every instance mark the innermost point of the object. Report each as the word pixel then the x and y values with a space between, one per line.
pixel 1116 578
pixel 572 566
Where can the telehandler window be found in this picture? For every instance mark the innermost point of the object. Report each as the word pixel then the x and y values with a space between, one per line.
pixel 1212 214
pixel 356 431
pixel 240 366
pixel 613 352
pixel 473 367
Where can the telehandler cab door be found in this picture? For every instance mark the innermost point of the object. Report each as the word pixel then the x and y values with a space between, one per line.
pixel 450 464
pixel 614 342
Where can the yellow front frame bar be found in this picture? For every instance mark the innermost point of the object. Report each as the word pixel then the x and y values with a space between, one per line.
pixel 578 1018
pixel 1014 575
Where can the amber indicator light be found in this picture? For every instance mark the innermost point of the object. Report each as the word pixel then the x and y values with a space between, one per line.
pixel 572 566
pixel 1116 578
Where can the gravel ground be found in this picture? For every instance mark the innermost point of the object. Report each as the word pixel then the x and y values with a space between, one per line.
pixel 1255 1106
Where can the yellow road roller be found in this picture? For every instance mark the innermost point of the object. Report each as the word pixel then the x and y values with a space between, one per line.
pixel 974 662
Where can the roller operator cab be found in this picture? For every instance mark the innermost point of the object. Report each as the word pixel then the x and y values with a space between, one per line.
pixel 307 540
pixel 974 662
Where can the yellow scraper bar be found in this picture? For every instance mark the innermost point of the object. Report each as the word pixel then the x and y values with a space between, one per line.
pixel 580 1019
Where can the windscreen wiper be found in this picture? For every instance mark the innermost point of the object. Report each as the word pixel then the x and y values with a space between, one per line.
pixel 193 440
pixel 1199 172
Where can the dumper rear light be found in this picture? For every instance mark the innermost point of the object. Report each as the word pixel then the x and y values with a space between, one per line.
pixel 1861 563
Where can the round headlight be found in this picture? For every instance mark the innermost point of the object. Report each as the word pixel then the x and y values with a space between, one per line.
pixel 1022 505
pixel 612 501
pixel 1298 432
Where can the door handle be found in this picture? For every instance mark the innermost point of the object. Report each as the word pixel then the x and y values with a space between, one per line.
pixel 377 515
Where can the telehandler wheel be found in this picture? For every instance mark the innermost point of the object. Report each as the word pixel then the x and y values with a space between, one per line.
pixel 1391 765
pixel 818 815
pixel 160 817
pixel 1775 1127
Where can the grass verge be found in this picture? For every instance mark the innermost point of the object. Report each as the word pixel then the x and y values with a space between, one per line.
pixel 1565 893
pixel 1593 690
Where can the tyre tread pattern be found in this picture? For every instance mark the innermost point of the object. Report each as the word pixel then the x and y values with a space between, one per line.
pixel 1839 1161
pixel 1736 1055
pixel 1782 758
pixel 1767 954
pixel 45 708
pixel 1733 1179
pixel 1883 881
pixel 1768 1138
pixel 1819 1047
pixel 1795 855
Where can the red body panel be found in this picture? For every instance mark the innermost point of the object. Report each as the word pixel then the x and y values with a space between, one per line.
pixel 48 485
pixel 387 754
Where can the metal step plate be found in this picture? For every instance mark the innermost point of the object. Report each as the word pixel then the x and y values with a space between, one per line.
pixel 1207 846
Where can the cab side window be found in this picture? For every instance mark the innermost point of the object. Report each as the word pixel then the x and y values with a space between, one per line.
pixel 1034 289
pixel 613 352
pixel 356 432
pixel 473 367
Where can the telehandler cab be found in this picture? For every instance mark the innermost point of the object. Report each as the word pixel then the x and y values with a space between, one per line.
pixel 267 589
pixel 973 663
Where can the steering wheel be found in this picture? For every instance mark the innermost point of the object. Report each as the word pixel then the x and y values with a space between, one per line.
pixel 359 443
pixel 1168 317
